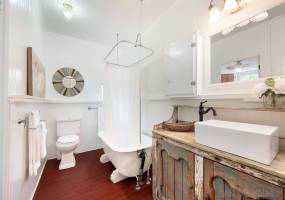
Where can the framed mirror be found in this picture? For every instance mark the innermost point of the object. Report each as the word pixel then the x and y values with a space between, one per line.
pixel 68 82
pixel 243 54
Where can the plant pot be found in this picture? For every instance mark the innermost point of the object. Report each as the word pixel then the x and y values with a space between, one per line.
pixel 271 101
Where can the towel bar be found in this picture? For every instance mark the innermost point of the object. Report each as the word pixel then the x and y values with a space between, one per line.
pixel 92 108
pixel 25 121
pixel 22 121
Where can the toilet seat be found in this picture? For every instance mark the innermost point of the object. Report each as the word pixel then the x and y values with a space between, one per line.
pixel 68 139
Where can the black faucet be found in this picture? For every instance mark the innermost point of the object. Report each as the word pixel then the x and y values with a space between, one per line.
pixel 202 111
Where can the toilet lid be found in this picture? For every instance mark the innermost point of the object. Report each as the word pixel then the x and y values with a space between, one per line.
pixel 68 139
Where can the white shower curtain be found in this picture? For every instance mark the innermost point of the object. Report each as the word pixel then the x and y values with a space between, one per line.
pixel 122 106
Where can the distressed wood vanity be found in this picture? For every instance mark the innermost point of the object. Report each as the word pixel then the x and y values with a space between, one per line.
pixel 184 169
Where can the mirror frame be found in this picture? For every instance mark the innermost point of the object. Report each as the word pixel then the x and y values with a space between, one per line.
pixel 233 90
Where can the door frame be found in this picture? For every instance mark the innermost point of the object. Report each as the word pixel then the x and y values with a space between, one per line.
pixel 4 105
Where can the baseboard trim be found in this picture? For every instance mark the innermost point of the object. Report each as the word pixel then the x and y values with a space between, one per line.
pixel 38 181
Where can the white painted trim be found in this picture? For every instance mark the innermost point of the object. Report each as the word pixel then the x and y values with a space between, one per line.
pixel 38 181
pixel 5 147
pixel 32 99
pixel 2 85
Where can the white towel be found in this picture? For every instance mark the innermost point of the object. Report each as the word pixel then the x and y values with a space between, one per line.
pixel 43 140
pixel 34 135
pixel 34 119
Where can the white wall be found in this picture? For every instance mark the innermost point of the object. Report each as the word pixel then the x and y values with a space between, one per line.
pixel 21 185
pixel 55 51
pixel 87 57
pixel 179 21
pixel 89 139
pixel 23 28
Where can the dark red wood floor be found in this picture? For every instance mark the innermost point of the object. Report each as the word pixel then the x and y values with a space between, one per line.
pixel 89 180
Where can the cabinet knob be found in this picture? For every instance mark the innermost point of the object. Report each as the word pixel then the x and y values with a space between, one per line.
pixel 193 83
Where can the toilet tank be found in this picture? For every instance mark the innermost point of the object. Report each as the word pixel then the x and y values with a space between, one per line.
pixel 68 127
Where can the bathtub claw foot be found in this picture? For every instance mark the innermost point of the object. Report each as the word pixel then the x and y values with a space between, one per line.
pixel 104 159
pixel 148 180
pixel 116 176
pixel 139 183
pixel 138 187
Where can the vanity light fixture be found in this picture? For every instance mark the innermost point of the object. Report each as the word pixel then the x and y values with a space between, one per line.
pixel 260 17
pixel 67 8
pixel 228 30
pixel 230 7
pixel 242 24
pixel 244 2
pixel 214 13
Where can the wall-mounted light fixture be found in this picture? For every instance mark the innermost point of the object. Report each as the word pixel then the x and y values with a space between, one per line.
pixel 258 18
pixel 67 10
pixel 214 13
pixel 230 7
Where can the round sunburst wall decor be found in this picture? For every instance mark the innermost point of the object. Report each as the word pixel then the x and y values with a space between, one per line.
pixel 68 82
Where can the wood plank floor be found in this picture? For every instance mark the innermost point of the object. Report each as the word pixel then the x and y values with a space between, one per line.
pixel 88 180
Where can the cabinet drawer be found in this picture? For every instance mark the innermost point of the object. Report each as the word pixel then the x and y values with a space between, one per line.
pixel 222 182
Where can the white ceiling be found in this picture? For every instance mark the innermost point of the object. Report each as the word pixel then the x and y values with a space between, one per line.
pixel 100 20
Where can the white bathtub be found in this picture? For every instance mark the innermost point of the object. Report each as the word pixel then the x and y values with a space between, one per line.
pixel 125 160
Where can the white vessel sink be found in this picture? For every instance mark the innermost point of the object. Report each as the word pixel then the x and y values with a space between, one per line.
pixel 256 142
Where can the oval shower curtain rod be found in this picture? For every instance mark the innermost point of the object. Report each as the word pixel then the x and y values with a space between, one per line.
pixel 137 44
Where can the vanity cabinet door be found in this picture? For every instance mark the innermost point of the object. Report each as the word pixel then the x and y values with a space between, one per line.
pixel 221 182
pixel 173 173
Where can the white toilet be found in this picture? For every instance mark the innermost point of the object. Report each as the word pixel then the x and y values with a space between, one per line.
pixel 67 140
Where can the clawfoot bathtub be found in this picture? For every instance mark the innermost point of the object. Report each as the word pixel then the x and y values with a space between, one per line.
pixel 126 160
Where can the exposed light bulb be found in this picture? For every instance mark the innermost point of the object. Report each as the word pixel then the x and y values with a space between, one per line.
pixel 214 14
pixel 230 6
pixel 260 17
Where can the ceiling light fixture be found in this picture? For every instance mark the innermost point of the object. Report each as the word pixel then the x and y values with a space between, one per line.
pixel 214 13
pixel 67 8
pixel 260 17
